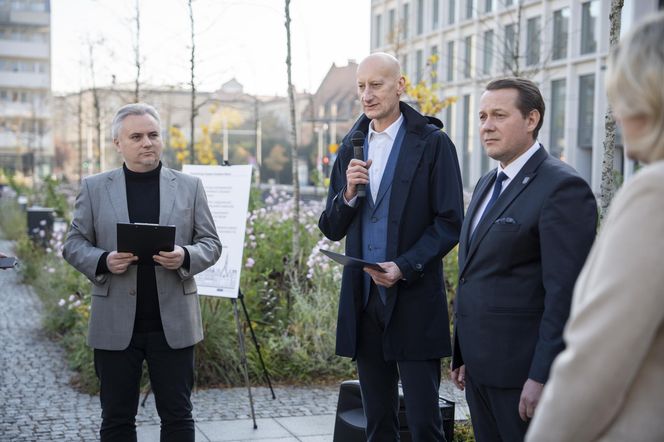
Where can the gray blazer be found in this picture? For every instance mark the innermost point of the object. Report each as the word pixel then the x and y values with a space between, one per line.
pixel 101 204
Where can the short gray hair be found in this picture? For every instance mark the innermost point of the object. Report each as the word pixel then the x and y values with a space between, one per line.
pixel 132 109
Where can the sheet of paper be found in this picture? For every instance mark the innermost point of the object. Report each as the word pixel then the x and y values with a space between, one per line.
pixel 227 189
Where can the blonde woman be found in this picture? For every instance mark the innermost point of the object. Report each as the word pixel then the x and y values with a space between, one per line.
pixel 608 384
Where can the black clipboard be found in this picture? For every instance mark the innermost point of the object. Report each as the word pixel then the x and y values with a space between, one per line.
pixel 145 240
pixel 350 261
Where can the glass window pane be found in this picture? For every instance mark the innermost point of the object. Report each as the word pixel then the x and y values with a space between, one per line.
pixel 560 33
pixel 468 60
pixel 488 53
pixel 450 61
pixel 404 20
pixel 534 34
pixel 451 11
pixel 586 110
pixel 557 142
pixel 509 47
pixel 589 15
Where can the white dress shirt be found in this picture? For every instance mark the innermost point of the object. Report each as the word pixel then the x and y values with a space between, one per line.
pixel 511 171
pixel 380 147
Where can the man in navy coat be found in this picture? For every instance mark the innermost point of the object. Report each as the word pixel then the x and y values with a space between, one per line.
pixel 395 324
pixel 528 229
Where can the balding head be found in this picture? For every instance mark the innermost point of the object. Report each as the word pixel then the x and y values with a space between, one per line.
pixel 379 87
pixel 382 61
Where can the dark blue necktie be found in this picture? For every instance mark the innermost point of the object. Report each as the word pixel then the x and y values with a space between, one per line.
pixel 497 188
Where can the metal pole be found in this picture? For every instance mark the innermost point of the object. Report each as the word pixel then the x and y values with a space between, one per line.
pixel 243 359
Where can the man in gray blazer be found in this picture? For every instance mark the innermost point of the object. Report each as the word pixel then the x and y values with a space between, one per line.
pixel 148 311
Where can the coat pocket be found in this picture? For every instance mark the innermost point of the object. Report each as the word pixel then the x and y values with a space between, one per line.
pixel 189 286
pixel 507 227
pixel 100 290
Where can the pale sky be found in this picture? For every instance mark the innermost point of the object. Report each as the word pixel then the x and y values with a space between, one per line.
pixel 245 39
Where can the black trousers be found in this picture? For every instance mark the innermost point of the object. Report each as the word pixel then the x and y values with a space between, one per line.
pixel 494 412
pixel 171 376
pixel 379 379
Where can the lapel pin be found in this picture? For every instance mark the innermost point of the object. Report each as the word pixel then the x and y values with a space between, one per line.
pixel 525 180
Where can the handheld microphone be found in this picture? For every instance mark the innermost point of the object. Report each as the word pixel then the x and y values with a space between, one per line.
pixel 357 139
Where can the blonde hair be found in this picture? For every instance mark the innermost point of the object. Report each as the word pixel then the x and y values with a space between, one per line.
pixel 635 87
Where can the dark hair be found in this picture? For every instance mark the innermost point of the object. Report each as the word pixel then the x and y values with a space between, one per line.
pixel 530 97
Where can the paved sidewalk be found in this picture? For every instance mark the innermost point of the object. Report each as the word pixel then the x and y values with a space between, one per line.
pixel 38 404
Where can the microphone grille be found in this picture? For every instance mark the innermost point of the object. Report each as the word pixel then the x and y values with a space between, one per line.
pixel 357 138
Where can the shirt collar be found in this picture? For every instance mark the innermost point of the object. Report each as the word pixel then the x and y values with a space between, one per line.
pixel 515 166
pixel 391 131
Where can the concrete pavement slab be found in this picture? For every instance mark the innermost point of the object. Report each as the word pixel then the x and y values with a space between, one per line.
pixel 308 425
pixel 243 429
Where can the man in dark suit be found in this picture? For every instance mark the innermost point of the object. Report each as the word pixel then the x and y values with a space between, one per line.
pixel 395 324
pixel 528 229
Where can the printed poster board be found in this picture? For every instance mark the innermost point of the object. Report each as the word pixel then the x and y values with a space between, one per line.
pixel 227 189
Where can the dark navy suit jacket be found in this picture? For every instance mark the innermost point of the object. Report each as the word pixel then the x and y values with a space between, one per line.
pixel 424 221
pixel 517 275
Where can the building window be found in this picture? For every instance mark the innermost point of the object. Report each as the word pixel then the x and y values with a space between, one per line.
pixel 435 13
pixel 404 20
pixel 465 154
pixel 485 162
pixel 469 8
pixel 450 61
pixel 557 142
pixel 468 60
pixel 451 11
pixel 488 5
pixel 487 63
pixel 378 36
pixel 433 54
pixel 560 33
pixel 509 49
pixel 589 15
pixel 404 64
pixel 534 32
pixel 420 17
pixel 419 64
pixel 586 110
pixel 392 32
pixel 509 3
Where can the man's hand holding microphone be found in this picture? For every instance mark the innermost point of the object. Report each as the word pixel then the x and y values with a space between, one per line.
pixel 357 173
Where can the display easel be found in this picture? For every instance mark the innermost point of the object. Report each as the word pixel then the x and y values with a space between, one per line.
pixel 243 351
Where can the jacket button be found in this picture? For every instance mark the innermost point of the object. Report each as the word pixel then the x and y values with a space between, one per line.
pixel 132 292
pixel 374 220
pixel 418 267
pixel 462 280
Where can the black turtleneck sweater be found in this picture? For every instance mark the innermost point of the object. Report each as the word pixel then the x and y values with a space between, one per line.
pixel 143 205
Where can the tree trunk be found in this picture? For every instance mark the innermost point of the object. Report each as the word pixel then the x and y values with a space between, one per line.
pixel 80 136
pixel 607 187
pixel 96 105
pixel 137 54
pixel 296 182
pixel 194 110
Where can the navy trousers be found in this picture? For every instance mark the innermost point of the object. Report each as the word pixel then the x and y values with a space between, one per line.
pixel 494 412
pixel 171 377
